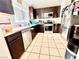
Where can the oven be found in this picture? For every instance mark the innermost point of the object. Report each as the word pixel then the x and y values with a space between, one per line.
pixel 48 26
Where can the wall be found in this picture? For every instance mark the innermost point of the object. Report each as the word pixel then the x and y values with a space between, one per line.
pixel 4 52
pixel 26 7
pixel 21 14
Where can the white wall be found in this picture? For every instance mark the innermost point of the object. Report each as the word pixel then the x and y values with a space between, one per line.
pixel 4 52
pixel 26 7
pixel 43 3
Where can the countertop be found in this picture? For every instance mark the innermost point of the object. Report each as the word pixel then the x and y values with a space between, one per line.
pixel 18 29
pixel 55 20
pixel 21 28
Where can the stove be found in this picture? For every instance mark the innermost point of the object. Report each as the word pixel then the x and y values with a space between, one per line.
pixel 48 26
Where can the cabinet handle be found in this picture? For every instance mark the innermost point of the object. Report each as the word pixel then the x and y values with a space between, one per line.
pixel 32 28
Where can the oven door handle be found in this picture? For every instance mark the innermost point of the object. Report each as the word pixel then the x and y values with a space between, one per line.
pixel 71 52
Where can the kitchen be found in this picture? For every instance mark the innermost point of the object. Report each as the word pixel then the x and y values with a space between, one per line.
pixel 39 29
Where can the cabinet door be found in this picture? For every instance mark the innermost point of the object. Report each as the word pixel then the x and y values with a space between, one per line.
pixel 55 28
pixel 33 34
pixel 42 28
pixel 16 48
pixel 15 45
pixel 58 28
pixel 26 38
pixel 29 36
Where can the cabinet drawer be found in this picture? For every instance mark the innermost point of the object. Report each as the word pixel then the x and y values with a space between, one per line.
pixel 13 36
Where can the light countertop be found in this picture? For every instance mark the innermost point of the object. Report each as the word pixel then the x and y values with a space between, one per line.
pixel 56 20
pixel 17 30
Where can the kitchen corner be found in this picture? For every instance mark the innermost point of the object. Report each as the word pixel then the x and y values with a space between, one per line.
pixel 39 29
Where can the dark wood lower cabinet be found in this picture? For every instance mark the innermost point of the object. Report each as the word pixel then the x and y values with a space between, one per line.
pixel 41 28
pixel 56 28
pixel 37 29
pixel 15 45
pixel 33 33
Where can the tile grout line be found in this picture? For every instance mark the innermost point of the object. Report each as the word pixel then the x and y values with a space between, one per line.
pixel 49 49
pixel 57 49
pixel 40 47
pixel 31 50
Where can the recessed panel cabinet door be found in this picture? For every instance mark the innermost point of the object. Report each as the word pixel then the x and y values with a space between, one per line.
pixel 27 39
pixel 29 36
pixel 6 6
pixel 15 45
pixel 16 48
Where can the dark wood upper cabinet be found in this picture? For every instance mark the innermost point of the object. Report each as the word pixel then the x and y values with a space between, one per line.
pixel 57 28
pixel 6 6
pixel 55 9
pixel 32 13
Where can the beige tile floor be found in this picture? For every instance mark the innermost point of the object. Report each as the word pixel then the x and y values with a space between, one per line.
pixel 46 46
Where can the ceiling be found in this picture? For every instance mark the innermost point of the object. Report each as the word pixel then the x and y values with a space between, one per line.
pixel 43 3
